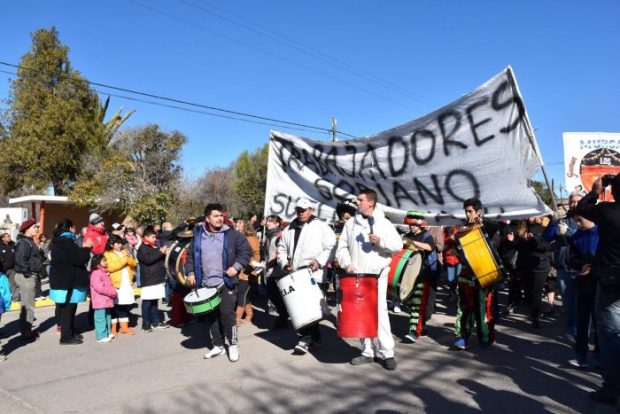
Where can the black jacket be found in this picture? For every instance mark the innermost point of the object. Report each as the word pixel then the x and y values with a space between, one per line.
pixel 152 270
pixel 534 253
pixel 7 256
pixel 607 218
pixel 68 264
pixel 28 257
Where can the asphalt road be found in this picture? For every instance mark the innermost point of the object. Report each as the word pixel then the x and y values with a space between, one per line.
pixel 164 371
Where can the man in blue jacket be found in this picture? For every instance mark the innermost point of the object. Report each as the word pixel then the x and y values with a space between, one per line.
pixel 218 254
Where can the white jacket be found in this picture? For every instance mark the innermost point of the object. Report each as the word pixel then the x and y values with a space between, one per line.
pixel 316 241
pixel 354 246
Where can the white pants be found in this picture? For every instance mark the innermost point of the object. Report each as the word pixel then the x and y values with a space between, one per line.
pixel 386 341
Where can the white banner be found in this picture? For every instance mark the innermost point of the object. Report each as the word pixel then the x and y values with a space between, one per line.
pixel 588 156
pixel 477 146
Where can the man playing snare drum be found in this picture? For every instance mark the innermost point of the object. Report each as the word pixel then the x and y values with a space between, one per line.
pixel 218 254
pixel 475 304
pixel 306 242
pixel 366 245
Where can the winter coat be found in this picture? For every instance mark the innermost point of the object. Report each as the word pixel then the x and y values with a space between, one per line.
pixel 236 253
pixel 99 238
pixel 316 241
pixel 28 257
pixel 102 293
pixel 116 264
pixel 68 264
pixel 254 259
pixel 152 270
pixel 354 246
pixel 7 256
pixel 5 294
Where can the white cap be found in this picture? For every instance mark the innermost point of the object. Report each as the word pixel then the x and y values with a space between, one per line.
pixel 304 203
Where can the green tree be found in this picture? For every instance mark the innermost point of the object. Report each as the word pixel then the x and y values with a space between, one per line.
pixel 251 180
pixel 52 120
pixel 140 177
pixel 543 192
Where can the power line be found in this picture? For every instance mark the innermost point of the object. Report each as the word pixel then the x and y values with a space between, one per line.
pixel 308 50
pixel 283 123
pixel 274 55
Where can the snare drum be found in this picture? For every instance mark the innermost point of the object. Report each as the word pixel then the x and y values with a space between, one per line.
pixel 303 298
pixel 404 271
pixel 201 301
pixel 480 255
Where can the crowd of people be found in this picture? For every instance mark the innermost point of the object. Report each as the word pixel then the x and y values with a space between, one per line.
pixel 575 252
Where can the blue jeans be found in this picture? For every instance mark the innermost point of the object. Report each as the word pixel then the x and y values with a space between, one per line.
pixel 452 273
pixel 566 280
pixel 150 312
pixel 607 308
pixel 103 321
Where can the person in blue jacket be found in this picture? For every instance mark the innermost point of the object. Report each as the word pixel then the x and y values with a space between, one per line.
pixel 218 254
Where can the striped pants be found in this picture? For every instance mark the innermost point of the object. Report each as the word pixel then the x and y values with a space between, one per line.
pixel 417 305
pixel 475 308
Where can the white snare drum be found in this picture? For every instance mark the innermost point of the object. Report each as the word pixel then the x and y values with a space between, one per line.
pixel 203 300
pixel 303 298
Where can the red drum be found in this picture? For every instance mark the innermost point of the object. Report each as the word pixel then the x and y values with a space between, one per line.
pixel 404 271
pixel 358 311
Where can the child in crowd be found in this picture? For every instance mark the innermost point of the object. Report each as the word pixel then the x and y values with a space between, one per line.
pixel 5 304
pixel 153 278
pixel 102 295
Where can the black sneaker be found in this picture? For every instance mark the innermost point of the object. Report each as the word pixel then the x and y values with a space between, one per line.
pixel 70 341
pixel 389 364
pixel 147 327
pixel 361 360
pixel 161 325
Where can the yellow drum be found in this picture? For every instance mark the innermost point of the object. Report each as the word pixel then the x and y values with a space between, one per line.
pixel 480 255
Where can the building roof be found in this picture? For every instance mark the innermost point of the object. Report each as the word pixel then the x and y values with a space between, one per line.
pixel 38 198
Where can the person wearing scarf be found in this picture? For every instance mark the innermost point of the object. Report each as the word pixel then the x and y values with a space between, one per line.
pixel 152 279
pixel 69 279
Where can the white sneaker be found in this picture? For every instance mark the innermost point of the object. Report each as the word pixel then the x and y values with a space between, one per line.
pixel 233 353
pixel 215 351
pixel 111 336
pixel 104 340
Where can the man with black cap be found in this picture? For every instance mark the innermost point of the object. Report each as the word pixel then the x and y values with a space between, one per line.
pixel 606 267
pixel 28 263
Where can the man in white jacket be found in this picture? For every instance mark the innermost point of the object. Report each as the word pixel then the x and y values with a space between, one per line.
pixel 366 245
pixel 306 242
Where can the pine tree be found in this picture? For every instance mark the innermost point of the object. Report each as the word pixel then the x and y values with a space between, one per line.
pixel 52 120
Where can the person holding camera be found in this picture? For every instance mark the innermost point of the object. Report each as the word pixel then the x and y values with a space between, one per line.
pixel 606 267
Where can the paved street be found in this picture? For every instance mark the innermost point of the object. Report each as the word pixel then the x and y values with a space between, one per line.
pixel 164 371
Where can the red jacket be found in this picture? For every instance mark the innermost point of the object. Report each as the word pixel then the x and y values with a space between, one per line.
pixel 449 252
pixel 99 238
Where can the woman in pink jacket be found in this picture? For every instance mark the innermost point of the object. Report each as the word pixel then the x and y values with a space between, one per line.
pixel 102 295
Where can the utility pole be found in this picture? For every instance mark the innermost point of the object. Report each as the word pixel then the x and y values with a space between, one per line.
pixel 334 122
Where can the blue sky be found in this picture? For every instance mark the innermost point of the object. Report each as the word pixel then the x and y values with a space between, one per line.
pixel 566 56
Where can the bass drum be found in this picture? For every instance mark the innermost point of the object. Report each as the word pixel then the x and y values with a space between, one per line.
pixel 175 260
